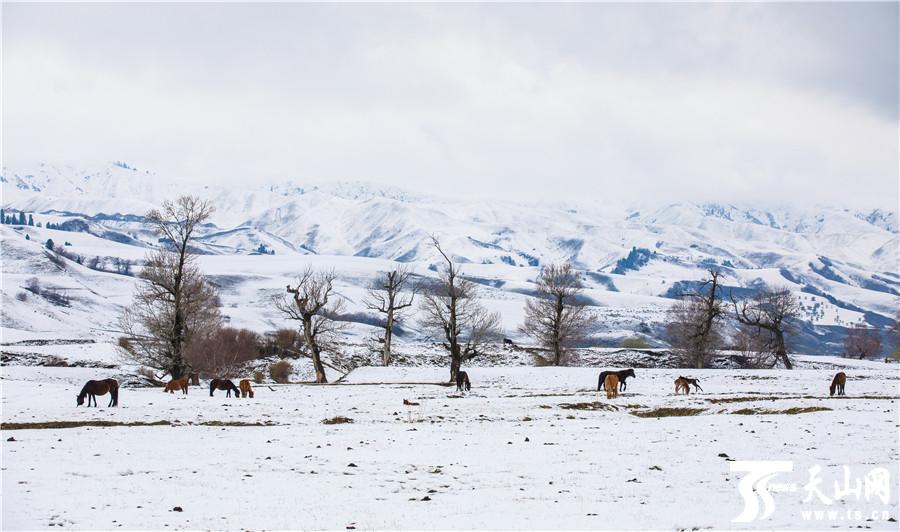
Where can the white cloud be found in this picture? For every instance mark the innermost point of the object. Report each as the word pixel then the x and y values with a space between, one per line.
pixel 742 103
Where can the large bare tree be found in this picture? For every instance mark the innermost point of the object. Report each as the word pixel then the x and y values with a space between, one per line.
pixel 390 295
pixel 862 341
pixel 314 303
pixel 772 311
pixel 695 323
pixel 174 302
pixel 558 317
pixel 452 312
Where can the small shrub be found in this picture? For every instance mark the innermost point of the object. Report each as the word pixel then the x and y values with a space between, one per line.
pixel 258 377
pixel 33 285
pixel 281 371
pixel 635 343
pixel 22 296
pixel 146 372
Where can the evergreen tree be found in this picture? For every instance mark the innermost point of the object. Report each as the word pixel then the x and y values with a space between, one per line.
pixel 2 216
pixel 27 237
pixel 30 220
pixel 49 244
pixel 22 220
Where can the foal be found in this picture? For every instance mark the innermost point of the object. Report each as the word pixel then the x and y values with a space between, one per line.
pixel 682 384
pixel 837 384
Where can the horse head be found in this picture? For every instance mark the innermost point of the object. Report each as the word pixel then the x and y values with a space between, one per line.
pixel 79 399
pixel 630 373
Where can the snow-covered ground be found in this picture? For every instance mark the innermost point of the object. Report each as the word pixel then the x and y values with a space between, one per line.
pixel 526 448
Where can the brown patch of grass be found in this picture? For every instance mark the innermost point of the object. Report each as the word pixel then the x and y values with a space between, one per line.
pixel 668 412
pixel 720 400
pixel 337 420
pixel 100 423
pixel 789 411
pixel 78 424
pixel 596 405
pixel 236 424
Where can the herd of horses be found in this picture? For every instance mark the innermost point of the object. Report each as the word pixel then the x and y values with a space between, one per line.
pixel 612 382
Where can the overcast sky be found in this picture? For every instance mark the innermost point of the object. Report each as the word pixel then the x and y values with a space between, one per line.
pixel 727 102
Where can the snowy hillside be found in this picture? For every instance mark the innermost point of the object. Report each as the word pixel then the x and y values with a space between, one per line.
pixel 842 263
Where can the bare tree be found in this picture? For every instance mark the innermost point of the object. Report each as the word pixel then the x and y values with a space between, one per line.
pixel 314 303
pixel 174 302
pixel 221 352
pixel 453 313
pixel 390 294
pixel 772 310
pixel 695 323
pixel 862 341
pixel 558 318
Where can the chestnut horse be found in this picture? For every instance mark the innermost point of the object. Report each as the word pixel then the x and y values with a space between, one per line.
pixel 612 386
pixel 177 384
pixel 223 384
pixel 682 384
pixel 94 388
pixel 837 384
pixel 246 390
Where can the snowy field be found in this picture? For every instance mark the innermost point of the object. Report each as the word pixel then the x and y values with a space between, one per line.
pixel 526 448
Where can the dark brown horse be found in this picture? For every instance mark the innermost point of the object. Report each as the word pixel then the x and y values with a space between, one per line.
pixel 94 388
pixel 837 384
pixel 621 375
pixel 223 384
pixel 462 381
pixel 195 379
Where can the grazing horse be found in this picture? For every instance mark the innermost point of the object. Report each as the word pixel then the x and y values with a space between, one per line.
pixel 837 384
pixel 94 388
pixel 177 384
pixel 693 382
pixel 462 381
pixel 246 390
pixel 682 384
pixel 223 384
pixel 621 375
pixel 612 385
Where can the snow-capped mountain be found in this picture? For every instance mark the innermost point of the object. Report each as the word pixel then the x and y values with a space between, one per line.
pixel 842 260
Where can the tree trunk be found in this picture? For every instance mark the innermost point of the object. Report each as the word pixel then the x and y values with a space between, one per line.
pixel 310 340
pixel 388 333
pixel 320 369
pixel 455 359
pixel 781 350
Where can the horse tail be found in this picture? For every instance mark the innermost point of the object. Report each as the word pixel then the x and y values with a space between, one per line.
pixel 114 391
pixel 212 387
